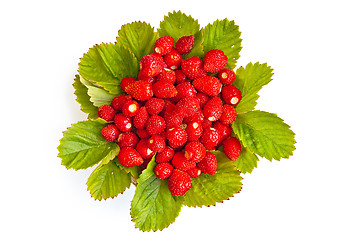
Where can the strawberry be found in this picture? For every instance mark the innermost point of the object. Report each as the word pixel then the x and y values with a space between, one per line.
pixel 156 143
pixel 185 89
pixel 155 125
pixel 187 106
pixel 229 114
pixel 194 172
pixel 173 118
pixel 143 149
pixel 164 89
pixel 194 131
pixel 226 76
pixel 141 117
pixel 193 68
pixel 176 136
pixel 194 151
pixel 196 117
pixel 214 60
pixel 151 65
pixel 118 101
pixel 163 170
pixel 173 59
pixel 165 156
pixel 167 74
pixel 180 162
pixel 232 148
pixel 184 44
pixel 203 99
pixel 106 112
pixel 180 76
pixel 123 123
pixel 129 157
pixel 179 182
pixel 163 45
pixel 213 109
pixel 210 138
pixel 208 85
pixel 208 164
pixel 231 95
pixel 128 139
pixel 140 90
pixel 154 106
pixel 130 108
pixel 223 130
pixel 206 124
pixel 126 81
pixel 110 132
pixel 142 134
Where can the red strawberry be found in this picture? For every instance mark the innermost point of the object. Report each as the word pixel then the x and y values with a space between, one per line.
pixel 203 99
pixel 118 101
pixel 213 109
pixel 185 89
pixel 163 45
pixel 180 76
pixel 106 112
pixel 165 156
pixel 179 182
pixel 173 118
pixel 155 125
pixel 176 137
pixel 185 44
pixel 129 157
pixel 144 150
pixel 196 117
pixel 229 114
pixel 206 124
pixel 140 90
pixel 130 108
pixel 180 162
pixel 231 95
pixel 151 65
pixel 194 131
pixel 154 106
pixel 223 130
pixel 141 118
pixel 123 123
pixel 167 74
pixel 187 106
pixel 214 60
pixel 128 139
pixel 226 76
pixel 164 89
pixel 156 143
pixel 208 85
pixel 110 132
pixel 194 151
pixel 193 68
pixel 194 172
pixel 126 81
pixel 173 59
pixel 232 148
pixel 163 170
pixel 210 138
pixel 143 134
pixel 208 164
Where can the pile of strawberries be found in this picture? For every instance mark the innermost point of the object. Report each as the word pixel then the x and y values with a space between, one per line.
pixel 178 108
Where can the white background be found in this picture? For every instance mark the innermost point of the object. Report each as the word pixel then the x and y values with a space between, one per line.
pixel 315 49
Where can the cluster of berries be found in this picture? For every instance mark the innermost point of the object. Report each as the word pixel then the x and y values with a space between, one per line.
pixel 176 110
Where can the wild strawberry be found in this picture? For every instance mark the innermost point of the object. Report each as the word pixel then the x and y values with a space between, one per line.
pixel 194 172
pixel 173 118
pixel 196 117
pixel 208 164
pixel 143 149
pixel 223 130
pixel 213 109
pixel 126 81
pixel 142 134
pixel 129 157
pixel 140 90
pixel 141 117
pixel 123 122
pixel 176 136
pixel 226 76
pixel 194 131
pixel 180 76
pixel 185 89
pixel 194 151
pixel 128 139
pixel 206 124
pixel 130 108
pixel 167 74
pixel 231 95
pixel 185 44
pixel 156 143
pixel 179 182
pixel 118 101
pixel 229 114
pixel 154 106
pixel 187 106
pixel 203 99
pixel 165 156
pixel 155 125
pixel 232 148
pixel 180 162
pixel 151 65
pixel 163 45
pixel 173 59
pixel 214 60
pixel 193 68
pixel 163 170
pixel 164 89
pixel 210 138
pixel 106 112
pixel 208 85
pixel 110 132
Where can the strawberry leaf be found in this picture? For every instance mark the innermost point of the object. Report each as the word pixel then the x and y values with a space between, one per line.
pixel 83 146
pixel 107 181
pixel 208 189
pixel 98 96
pixel 82 97
pixel 138 37
pixel 265 134
pixel 197 49
pixel 247 161
pixel 153 206
pixel 223 35
pixel 107 64
pixel 250 80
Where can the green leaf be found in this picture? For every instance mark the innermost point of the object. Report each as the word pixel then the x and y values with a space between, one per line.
pixel 197 49
pixel 265 134
pixel 83 146
pixel 209 189
pixel 247 161
pixel 223 35
pixel 153 206
pixel 108 181
pixel 98 96
pixel 107 64
pixel 139 37
pixel 250 80
pixel 82 97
